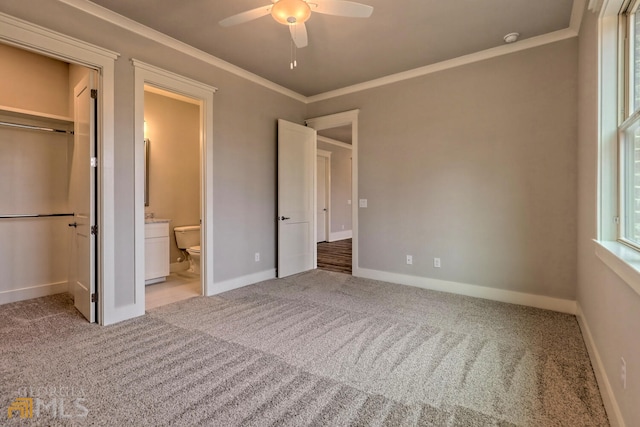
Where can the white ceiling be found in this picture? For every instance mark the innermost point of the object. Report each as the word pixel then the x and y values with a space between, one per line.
pixel 401 35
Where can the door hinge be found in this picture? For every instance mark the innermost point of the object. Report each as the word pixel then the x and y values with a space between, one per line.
pixel 94 162
pixel 94 230
pixel 616 219
pixel 94 93
pixel 94 297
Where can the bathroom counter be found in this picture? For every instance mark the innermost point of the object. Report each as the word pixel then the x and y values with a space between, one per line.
pixel 155 220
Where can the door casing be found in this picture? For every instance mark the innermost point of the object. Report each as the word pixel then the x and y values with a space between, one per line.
pixel 326 155
pixel 146 74
pixel 336 120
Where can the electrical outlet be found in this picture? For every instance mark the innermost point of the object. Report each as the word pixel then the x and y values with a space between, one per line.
pixel 257 257
pixel 409 259
pixel 436 262
pixel 623 373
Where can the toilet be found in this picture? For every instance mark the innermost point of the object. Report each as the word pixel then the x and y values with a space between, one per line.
pixel 188 239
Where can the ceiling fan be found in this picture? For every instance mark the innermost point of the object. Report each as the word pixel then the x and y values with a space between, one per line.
pixel 295 13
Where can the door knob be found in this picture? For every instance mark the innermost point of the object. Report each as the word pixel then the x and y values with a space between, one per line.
pixel 75 224
pixel 284 218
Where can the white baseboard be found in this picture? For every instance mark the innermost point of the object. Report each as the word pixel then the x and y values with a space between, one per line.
pixel 33 292
pixel 239 282
pixel 340 235
pixel 609 399
pixel 502 295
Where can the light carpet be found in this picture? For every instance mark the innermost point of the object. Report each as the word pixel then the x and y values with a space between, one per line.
pixel 319 348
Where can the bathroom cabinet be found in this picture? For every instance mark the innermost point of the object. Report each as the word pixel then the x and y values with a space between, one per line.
pixel 156 245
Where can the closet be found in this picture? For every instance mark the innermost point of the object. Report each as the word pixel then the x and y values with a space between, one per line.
pixel 37 244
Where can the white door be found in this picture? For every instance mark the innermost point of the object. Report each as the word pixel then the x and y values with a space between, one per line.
pixel 82 198
pixel 322 199
pixel 296 198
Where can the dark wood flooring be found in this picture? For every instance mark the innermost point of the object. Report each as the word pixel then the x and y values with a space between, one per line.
pixel 335 256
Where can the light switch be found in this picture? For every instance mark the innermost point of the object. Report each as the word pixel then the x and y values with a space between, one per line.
pixel 363 203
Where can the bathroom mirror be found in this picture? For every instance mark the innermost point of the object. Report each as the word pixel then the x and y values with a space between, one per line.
pixel 146 171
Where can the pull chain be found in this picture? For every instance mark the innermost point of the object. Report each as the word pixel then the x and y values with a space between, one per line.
pixel 294 63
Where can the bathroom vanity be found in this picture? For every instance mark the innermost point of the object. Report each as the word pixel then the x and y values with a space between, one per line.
pixel 156 246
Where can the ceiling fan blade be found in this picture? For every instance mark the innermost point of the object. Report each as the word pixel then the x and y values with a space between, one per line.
pixel 247 16
pixel 299 35
pixel 342 8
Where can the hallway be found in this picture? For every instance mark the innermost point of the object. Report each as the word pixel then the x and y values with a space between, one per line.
pixel 335 256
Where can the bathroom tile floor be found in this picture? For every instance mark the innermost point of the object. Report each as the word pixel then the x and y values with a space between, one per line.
pixel 178 286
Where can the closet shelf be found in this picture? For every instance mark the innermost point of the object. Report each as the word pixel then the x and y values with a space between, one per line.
pixel 30 114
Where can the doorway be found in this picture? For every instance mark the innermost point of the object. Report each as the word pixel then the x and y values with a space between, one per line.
pixel 48 201
pixel 338 141
pixel 150 79
pixel 172 197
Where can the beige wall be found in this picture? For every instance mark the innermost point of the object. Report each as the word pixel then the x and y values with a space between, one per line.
pixel 173 128
pixel 34 173
pixel 34 82
pixel 611 309
pixel 475 165
pixel 340 187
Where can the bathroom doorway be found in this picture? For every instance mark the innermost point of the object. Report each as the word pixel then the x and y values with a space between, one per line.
pixel 175 152
pixel 172 197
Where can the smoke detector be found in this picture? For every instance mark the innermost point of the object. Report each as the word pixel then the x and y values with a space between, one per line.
pixel 511 37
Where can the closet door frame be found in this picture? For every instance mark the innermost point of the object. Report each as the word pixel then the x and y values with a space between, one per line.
pixel 34 38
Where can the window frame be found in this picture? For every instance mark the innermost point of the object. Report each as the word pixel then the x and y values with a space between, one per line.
pixel 629 115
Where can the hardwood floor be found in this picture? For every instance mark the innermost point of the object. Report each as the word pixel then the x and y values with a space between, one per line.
pixel 335 256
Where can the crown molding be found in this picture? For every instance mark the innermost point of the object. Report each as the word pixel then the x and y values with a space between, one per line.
pixel 151 34
pixel 144 31
pixel 448 64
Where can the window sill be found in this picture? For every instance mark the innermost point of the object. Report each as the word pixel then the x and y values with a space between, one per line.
pixel 623 260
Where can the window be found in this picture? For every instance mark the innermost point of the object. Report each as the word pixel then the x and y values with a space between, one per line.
pixel 629 133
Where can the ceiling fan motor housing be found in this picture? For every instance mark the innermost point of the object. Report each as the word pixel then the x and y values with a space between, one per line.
pixel 290 12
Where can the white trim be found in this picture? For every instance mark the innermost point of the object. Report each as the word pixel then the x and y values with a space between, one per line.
pixel 336 120
pixel 172 95
pixel 335 142
pixel 606 391
pixel 577 12
pixel 239 282
pixel 30 292
pixel 38 39
pixel 327 183
pixel 506 49
pixel 156 36
pixel 340 235
pixel 502 295
pixel 595 5
pixel 623 260
pixel 29 36
pixel 145 75
pixel 144 31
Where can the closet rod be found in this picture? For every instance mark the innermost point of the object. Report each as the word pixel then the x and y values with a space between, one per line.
pixel 32 127
pixel 33 215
